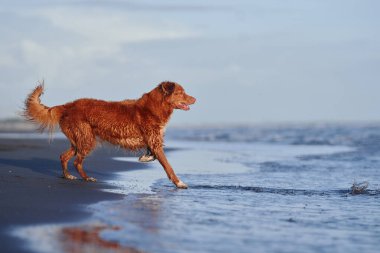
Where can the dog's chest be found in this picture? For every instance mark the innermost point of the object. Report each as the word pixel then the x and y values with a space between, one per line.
pixel 162 130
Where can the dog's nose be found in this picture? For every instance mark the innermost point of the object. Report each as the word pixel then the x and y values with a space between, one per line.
pixel 193 100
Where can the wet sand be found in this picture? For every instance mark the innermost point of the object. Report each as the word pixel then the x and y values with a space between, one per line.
pixel 87 239
pixel 33 192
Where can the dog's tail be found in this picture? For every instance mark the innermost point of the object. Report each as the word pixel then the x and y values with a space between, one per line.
pixel 46 117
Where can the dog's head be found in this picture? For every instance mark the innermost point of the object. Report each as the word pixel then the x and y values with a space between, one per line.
pixel 175 95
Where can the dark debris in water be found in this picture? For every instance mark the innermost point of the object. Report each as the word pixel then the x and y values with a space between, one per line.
pixel 359 188
pixel 291 220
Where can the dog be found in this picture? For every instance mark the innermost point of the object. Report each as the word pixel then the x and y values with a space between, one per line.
pixel 131 124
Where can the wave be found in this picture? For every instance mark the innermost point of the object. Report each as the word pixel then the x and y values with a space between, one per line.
pixel 283 191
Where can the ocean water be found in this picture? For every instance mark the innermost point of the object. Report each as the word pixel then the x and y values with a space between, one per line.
pixel 258 189
pixel 253 189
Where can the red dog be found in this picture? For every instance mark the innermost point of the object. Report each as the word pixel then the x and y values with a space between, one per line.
pixel 131 124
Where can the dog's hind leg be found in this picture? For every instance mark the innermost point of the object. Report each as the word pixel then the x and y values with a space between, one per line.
pixel 78 163
pixel 84 147
pixel 82 143
pixel 65 158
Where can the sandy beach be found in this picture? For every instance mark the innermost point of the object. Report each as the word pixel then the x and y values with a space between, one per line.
pixel 33 192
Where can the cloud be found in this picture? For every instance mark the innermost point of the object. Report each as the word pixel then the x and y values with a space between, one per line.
pixel 112 27
pixel 84 36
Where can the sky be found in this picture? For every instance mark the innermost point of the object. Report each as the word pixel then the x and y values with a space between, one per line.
pixel 245 61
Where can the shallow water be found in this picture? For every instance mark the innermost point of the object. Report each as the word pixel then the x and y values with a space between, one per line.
pixel 267 195
pixel 253 190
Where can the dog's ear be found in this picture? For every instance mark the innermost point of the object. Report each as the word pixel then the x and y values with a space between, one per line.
pixel 167 87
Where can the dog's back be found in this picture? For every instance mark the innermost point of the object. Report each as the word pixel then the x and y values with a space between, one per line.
pixel 115 122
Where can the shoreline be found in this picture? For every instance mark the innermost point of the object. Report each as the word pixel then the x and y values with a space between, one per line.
pixel 121 212
pixel 33 192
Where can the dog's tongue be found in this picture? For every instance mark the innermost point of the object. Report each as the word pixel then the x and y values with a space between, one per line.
pixel 185 107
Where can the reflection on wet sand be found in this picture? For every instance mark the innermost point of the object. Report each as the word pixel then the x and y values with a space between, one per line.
pixel 88 239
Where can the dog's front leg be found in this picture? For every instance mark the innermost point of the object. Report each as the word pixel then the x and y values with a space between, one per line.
pixel 159 153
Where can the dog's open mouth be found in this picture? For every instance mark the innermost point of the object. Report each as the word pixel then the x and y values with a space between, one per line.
pixel 183 106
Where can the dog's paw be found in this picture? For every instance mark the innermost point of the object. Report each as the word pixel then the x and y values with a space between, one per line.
pixel 69 177
pixel 181 185
pixel 89 179
pixel 146 158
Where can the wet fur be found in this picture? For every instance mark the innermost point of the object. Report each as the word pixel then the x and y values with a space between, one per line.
pixel 131 124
